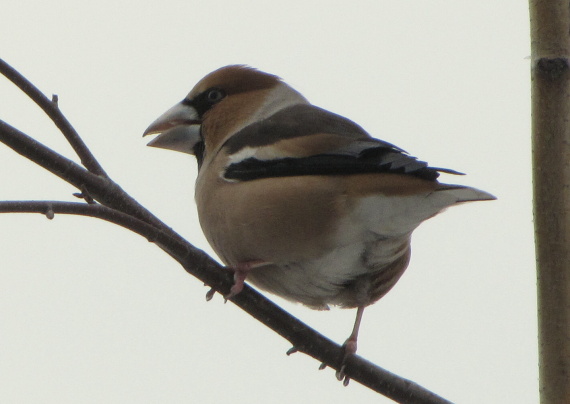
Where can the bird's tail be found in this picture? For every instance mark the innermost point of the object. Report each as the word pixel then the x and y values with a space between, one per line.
pixel 462 193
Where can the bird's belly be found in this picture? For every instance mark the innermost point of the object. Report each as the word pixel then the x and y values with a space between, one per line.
pixel 349 276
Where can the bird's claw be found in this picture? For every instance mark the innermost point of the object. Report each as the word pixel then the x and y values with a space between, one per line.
pixel 341 376
pixel 349 347
pixel 240 273
pixel 237 287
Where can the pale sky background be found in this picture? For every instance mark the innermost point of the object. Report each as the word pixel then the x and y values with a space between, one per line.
pixel 91 313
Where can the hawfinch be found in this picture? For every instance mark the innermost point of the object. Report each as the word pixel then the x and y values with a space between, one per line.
pixel 302 202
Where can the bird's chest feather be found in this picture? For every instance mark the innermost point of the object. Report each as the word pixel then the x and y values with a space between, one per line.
pixel 274 220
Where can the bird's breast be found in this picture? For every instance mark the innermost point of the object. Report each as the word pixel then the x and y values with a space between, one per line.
pixel 274 220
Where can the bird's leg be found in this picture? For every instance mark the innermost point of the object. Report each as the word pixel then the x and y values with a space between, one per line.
pixel 350 346
pixel 240 273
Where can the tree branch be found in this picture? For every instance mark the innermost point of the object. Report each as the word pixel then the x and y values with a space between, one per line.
pixel 120 208
pixel 302 337
pixel 50 208
pixel 51 108
pixel 102 189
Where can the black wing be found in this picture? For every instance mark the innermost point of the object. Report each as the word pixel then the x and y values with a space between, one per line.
pixel 351 150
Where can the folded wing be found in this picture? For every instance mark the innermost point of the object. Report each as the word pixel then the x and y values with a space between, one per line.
pixel 307 140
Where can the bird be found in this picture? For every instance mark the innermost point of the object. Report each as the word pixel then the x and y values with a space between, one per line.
pixel 299 201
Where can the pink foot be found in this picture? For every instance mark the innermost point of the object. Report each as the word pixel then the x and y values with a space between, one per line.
pixel 240 273
pixel 349 347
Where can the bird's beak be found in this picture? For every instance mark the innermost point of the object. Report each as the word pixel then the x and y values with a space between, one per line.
pixel 177 129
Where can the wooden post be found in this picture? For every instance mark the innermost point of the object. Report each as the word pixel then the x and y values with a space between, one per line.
pixel 550 50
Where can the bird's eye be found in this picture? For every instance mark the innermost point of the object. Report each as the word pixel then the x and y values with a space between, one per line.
pixel 214 95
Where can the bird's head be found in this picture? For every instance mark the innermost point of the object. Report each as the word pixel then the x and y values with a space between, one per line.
pixel 219 105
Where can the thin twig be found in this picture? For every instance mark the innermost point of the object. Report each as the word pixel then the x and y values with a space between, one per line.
pixel 51 108
pixel 100 188
pixel 51 208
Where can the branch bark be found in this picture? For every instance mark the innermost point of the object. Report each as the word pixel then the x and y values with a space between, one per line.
pixel 550 73
pixel 116 206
